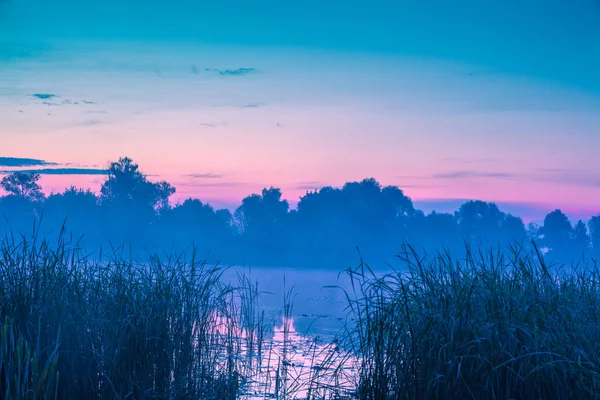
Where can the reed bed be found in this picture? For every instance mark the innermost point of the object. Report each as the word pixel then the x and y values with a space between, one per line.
pixel 494 325
pixel 128 328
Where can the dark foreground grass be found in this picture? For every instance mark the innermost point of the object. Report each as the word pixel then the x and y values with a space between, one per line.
pixel 122 328
pixel 77 329
pixel 486 327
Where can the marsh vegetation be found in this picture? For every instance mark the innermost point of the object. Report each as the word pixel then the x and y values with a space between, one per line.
pixel 486 326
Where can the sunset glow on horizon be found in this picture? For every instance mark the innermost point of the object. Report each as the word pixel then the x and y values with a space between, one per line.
pixel 221 118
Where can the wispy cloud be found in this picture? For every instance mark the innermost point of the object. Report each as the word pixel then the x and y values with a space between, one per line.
pixel 471 174
pixel 214 184
pixel 60 171
pixel 566 176
pixel 204 176
pixel 90 122
pixel 310 185
pixel 483 160
pixel 229 72
pixel 22 162
pixel 419 186
pixel 44 96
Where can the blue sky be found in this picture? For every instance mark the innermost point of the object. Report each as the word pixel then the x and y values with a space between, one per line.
pixel 449 100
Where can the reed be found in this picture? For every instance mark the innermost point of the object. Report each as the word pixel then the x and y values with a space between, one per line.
pixel 490 326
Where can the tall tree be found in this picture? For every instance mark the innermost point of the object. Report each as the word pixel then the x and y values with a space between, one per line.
pixel 132 203
pixel 127 184
pixel 262 222
pixel 23 184
pixel 594 226
pixel 580 239
pixel 557 235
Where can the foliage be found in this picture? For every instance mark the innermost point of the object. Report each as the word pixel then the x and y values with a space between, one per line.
pixel 26 372
pixel 325 229
pixel 486 327
pixel 23 184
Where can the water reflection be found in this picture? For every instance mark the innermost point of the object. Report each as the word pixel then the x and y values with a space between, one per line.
pixel 300 366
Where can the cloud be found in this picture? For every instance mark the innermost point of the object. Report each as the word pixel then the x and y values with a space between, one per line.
pixel 90 122
pixel 213 184
pixel 22 162
pixel 204 176
pixel 229 72
pixel 311 185
pixel 470 174
pixel 44 96
pixel 419 186
pixel 473 161
pixel 60 171
pixel 566 176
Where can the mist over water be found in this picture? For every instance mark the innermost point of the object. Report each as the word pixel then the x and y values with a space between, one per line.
pixel 298 145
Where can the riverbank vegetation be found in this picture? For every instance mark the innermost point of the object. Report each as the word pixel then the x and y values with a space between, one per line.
pixel 489 326
pixel 323 231
pixel 486 326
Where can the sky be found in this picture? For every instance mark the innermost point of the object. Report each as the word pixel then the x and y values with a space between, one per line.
pixel 494 100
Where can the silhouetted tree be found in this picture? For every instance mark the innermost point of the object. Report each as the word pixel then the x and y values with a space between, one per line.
pixel 325 230
pixel 23 184
pixel 437 232
pixel 534 232
pixel 261 220
pixel 19 208
pixel 78 208
pixel 594 226
pixel 557 235
pixel 481 221
pixel 132 202
pixel 513 231
pixel 195 222
pixel 360 214
pixel 580 240
pixel 127 184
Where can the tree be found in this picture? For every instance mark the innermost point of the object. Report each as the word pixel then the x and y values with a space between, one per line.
pixel 580 239
pixel 259 213
pixel 594 226
pixel 199 223
pixel 127 184
pixel 557 235
pixel 23 184
pixel 480 220
pixel 78 208
pixel 132 203
pixel 534 232
pixel 513 230
pixel 262 222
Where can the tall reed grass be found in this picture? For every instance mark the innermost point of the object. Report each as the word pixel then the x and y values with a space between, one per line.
pixel 490 326
pixel 123 328
pixel 157 327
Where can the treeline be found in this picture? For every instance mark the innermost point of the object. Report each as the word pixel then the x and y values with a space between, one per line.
pixel 325 230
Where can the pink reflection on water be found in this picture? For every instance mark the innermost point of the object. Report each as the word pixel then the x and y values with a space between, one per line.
pixel 297 366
